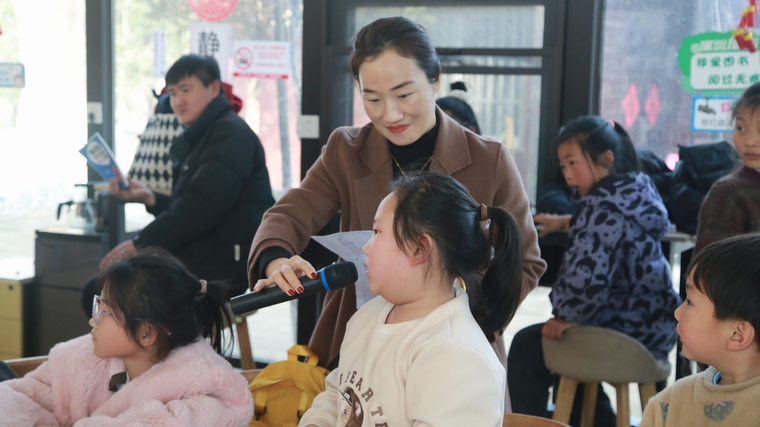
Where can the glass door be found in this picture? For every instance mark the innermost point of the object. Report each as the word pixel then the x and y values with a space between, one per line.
pixel 507 53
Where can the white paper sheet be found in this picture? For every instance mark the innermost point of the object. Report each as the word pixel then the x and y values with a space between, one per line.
pixel 348 246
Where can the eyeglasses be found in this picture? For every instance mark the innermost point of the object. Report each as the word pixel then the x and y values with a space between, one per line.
pixel 97 312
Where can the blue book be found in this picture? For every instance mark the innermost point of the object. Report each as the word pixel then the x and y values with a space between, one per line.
pixel 100 157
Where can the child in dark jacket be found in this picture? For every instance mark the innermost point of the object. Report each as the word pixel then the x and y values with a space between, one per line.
pixel 613 273
pixel 732 206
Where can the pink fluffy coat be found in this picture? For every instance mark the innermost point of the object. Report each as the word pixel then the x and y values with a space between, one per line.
pixel 193 386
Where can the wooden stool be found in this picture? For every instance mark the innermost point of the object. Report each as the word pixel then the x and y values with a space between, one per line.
pixel 591 355
pixel 244 341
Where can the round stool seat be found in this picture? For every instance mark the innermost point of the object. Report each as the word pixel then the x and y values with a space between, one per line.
pixel 593 354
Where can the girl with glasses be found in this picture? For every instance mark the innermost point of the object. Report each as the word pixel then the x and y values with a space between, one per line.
pixel 152 357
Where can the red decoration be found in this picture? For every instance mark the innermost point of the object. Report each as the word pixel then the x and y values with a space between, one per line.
pixel 652 105
pixel 749 42
pixel 750 14
pixel 744 38
pixel 631 106
pixel 739 36
pixel 212 10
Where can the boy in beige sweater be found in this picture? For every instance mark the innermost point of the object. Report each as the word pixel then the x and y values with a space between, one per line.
pixel 718 324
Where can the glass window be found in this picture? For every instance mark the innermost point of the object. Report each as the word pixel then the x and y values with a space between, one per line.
pixel 452 26
pixel 506 102
pixel 265 100
pixel 43 125
pixel 490 61
pixel 270 107
pixel 507 108
pixel 640 72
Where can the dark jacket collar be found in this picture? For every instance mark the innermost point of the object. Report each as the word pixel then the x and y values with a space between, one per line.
pixel 749 173
pixel 214 110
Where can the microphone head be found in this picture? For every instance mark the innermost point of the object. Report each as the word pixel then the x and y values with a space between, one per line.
pixel 338 275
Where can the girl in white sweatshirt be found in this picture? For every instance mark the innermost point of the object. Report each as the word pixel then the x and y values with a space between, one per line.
pixel 419 354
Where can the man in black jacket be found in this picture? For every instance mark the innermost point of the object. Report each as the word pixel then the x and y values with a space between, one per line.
pixel 220 183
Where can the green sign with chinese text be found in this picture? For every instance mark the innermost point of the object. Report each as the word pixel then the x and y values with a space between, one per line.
pixel 713 65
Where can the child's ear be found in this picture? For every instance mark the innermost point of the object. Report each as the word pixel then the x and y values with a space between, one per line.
pixel 422 249
pixel 743 336
pixel 147 334
pixel 608 158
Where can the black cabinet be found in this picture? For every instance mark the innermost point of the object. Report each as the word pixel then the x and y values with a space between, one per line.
pixel 64 259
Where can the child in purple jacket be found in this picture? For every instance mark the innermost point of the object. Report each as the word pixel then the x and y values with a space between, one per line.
pixel 613 274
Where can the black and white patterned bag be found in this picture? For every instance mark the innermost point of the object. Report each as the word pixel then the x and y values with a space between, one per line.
pixel 151 166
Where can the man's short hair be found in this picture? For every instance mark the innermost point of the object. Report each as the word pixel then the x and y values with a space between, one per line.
pixel 205 68
pixel 728 272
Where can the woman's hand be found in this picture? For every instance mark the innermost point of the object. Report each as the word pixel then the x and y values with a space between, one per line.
pixel 135 192
pixel 121 251
pixel 553 223
pixel 555 327
pixel 284 272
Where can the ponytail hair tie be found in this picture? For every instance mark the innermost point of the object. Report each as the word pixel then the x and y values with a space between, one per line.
pixel 202 292
pixel 485 223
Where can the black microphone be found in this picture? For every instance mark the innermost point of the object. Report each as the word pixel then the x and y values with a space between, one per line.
pixel 337 275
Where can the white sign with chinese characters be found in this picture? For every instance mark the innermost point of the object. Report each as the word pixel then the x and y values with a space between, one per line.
pixel 712 114
pixel 724 70
pixel 213 39
pixel 159 54
pixel 262 59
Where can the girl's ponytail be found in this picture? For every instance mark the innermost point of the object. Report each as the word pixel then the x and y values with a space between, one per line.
pixel 439 206
pixel 212 313
pixel 494 301
pixel 628 159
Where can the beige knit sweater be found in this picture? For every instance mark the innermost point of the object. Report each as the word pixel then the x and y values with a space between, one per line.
pixel 697 401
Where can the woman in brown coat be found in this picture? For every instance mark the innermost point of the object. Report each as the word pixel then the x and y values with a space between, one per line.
pixel 398 72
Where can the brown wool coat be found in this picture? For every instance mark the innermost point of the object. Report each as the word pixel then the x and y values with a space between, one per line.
pixel 354 174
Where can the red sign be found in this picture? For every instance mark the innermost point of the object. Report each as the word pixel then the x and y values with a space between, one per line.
pixel 652 105
pixel 212 10
pixel 631 106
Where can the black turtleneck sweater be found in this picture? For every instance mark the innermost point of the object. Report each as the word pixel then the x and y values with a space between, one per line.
pixel 415 155
pixel 411 157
